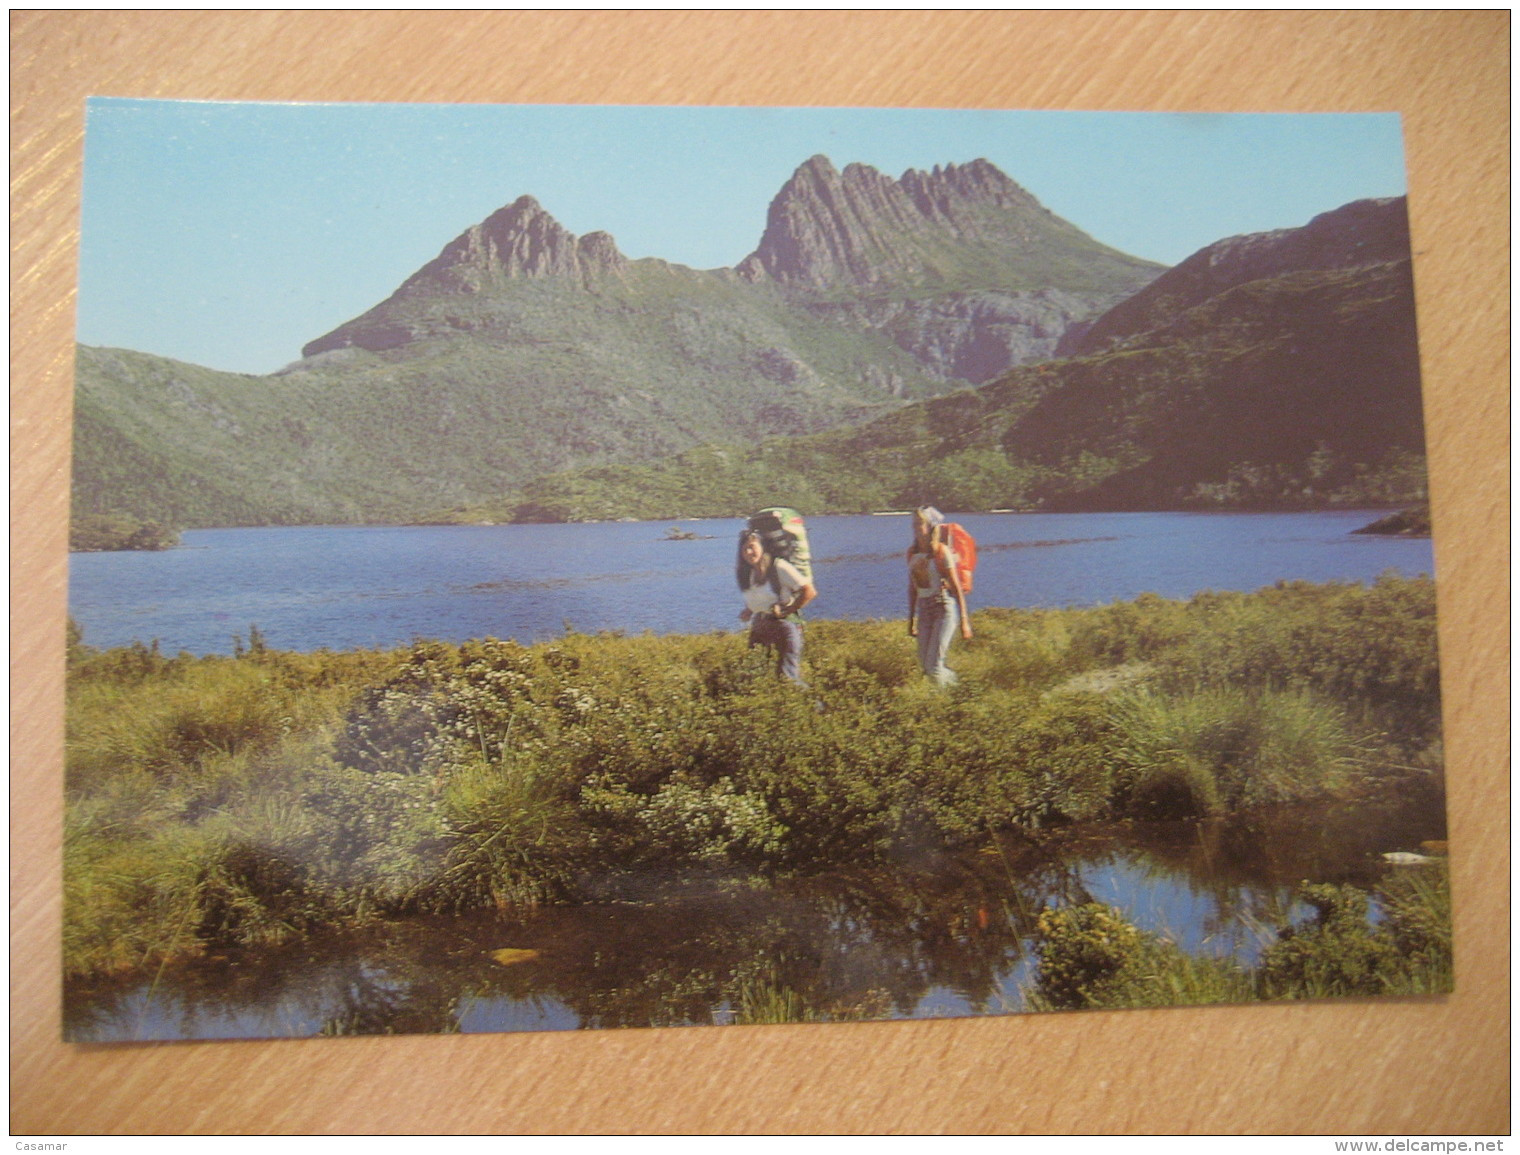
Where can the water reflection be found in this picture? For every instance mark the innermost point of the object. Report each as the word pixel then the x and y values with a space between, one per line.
pixel 933 935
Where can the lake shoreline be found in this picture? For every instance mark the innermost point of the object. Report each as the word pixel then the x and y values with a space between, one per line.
pixel 1385 511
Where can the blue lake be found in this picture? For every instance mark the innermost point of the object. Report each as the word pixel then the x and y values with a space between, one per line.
pixel 339 587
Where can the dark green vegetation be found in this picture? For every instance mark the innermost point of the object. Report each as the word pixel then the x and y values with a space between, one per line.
pixel 92 532
pixel 249 800
pixel 1302 389
pixel 1091 957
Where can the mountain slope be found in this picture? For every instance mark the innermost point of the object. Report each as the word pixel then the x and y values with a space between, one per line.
pixel 360 435
pixel 960 268
pixel 1285 386
pixel 1295 389
pixel 1362 233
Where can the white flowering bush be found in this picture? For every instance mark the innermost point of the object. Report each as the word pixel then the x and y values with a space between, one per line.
pixel 710 823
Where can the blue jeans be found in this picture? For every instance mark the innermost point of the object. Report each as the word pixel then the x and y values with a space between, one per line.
pixel 785 637
pixel 938 619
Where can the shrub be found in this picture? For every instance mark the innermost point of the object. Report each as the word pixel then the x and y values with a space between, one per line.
pixel 128 904
pixel 1338 951
pixel 1001 760
pixel 247 896
pixel 1418 904
pixel 371 838
pixel 1091 956
pixel 1083 952
pixel 510 839
pixel 1023 651
pixel 116 531
pixel 1134 631
pixel 1373 646
pixel 766 998
pixel 1335 953
pixel 189 721
pixel 685 820
pixel 1062 750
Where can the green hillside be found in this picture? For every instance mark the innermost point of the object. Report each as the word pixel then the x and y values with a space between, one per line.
pixel 541 379
pixel 1292 391
pixel 522 351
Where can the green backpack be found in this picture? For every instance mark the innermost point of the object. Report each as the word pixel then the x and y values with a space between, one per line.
pixel 783 535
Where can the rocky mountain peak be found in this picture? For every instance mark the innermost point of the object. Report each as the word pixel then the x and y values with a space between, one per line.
pixel 519 240
pixel 941 191
pixel 859 227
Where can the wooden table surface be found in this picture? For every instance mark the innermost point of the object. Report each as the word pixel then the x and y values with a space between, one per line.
pixel 1388 1068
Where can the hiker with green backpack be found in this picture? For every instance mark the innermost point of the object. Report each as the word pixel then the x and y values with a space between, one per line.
pixel 774 572
pixel 940 563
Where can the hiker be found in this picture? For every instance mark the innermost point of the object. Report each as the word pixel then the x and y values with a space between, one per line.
pixel 936 599
pixel 774 591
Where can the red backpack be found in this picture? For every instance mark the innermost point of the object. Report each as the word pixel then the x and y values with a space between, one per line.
pixel 964 547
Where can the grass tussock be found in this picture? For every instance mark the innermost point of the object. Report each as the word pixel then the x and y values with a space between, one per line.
pixel 256 798
pixel 1221 749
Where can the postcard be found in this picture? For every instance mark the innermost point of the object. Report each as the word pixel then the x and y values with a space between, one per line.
pixel 561 568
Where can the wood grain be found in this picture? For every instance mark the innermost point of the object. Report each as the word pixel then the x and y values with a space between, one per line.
pixel 1389 1067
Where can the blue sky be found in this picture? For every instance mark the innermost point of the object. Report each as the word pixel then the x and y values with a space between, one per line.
pixel 229 235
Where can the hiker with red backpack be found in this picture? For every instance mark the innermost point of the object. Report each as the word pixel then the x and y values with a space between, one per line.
pixel 940 562
pixel 774 573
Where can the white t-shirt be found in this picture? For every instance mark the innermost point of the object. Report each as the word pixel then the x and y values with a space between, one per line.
pixel 761 598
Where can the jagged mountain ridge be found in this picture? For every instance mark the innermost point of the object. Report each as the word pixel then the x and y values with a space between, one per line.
pixel 960 227
pixel 959 267
pixel 826 228
pixel 522 349
pixel 962 267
